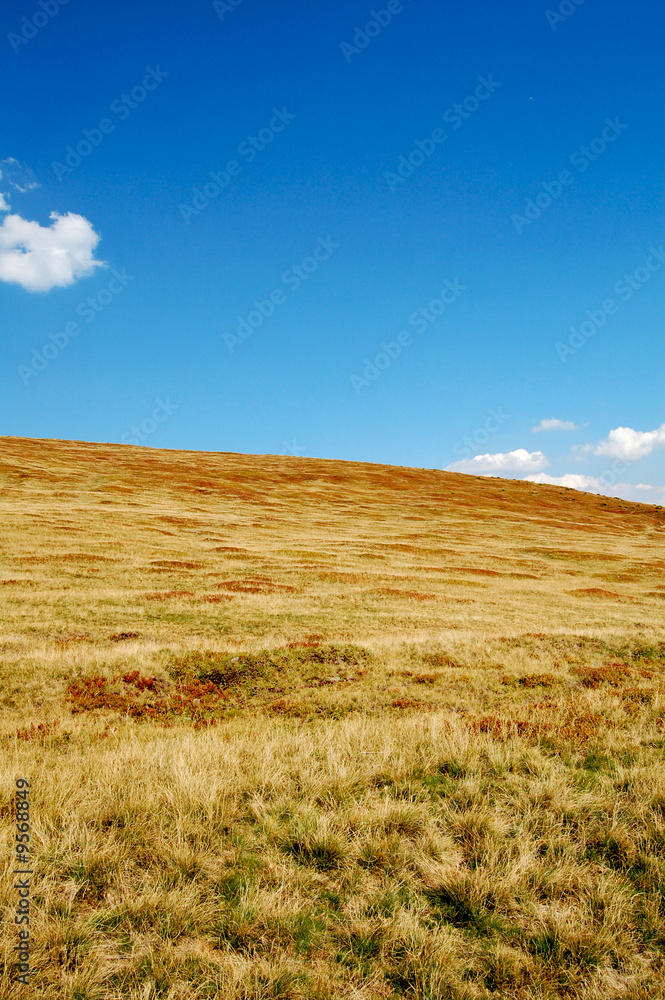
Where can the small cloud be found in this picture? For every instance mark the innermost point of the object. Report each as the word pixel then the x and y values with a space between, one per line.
pixel 519 460
pixel 40 258
pixel 17 176
pixel 14 175
pixel 552 424
pixel 630 445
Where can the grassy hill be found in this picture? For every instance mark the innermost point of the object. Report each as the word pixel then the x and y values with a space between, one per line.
pixel 314 729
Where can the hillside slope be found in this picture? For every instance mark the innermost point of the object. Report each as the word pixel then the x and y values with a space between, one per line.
pixel 314 730
pixel 319 546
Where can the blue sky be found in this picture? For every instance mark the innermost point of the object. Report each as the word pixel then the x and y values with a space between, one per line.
pixel 404 233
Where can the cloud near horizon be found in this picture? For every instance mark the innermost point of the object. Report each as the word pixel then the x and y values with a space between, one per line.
pixel 640 492
pixel 40 258
pixel 552 424
pixel 519 460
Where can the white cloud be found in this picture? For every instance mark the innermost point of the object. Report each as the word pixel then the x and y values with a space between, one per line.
pixel 573 480
pixel 17 176
pixel 43 257
pixel 628 444
pixel 552 424
pixel 519 460
pixel 642 492
pixel 4 205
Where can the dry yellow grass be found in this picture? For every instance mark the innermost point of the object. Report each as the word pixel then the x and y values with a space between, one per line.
pixel 310 729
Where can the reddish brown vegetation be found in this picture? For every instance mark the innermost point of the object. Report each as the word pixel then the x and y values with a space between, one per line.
pixel 480 572
pixel 71 637
pixel 198 700
pixel 38 732
pixel 168 595
pixel 537 680
pixel 610 673
pixel 595 592
pixel 408 703
pixel 420 678
pixel 254 585
pixel 579 727
pixel 414 594
pixel 175 564
pixel 309 640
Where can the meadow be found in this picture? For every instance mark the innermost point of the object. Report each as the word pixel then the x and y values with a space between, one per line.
pixel 311 729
